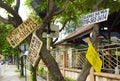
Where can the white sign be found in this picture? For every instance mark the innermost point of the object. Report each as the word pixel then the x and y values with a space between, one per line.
pixel 34 49
pixel 52 34
pixel 95 17
pixel 22 31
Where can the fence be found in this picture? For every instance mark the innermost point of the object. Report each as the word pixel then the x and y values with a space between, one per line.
pixel 72 60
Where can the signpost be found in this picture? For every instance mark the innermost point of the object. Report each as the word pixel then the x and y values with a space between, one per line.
pixel 34 49
pixel 51 32
pixel 22 31
pixel 95 17
pixel 54 34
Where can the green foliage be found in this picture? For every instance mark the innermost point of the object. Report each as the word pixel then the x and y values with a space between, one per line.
pixel 115 5
pixel 75 9
pixel 40 69
pixel 21 76
pixel 42 72
pixel 31 76
pixel 17 70
pixel 8 2
pixel 5 47
pixel 69 79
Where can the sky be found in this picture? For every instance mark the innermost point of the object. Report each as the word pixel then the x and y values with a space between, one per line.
pixel 23 11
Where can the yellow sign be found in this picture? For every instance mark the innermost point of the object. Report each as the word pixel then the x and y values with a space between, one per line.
pixel 34 49
pixel 22 31
pixel 93 57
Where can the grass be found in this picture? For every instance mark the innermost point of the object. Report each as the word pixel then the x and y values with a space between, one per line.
pixel 17 70
pixel 68 79
pixel 21 76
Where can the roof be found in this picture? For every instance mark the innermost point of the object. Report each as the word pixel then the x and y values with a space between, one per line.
pixel 79 32
pixel 113 23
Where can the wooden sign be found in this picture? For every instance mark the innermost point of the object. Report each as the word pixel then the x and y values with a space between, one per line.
pixel 34 49
pixel 95 17
pixel 22 31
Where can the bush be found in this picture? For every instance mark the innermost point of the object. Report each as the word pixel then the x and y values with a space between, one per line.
pixel 68 79
pixel 42 72
pixel 17 70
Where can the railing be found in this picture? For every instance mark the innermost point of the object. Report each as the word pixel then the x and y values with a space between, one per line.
pixel 75 58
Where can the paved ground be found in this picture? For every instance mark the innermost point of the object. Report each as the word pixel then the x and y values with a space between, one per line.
pixel 7 73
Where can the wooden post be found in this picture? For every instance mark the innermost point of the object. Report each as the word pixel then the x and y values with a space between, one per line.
pixel 48 76
pixel 64 62
pixel 48 47
pixel 92 78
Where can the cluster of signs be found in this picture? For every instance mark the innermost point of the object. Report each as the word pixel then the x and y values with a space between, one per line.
pixel 21 33
pixel 28 26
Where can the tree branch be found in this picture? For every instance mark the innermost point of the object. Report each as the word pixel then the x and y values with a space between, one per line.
pixel 98 5
pixel 49 15
pixel 17 5
pixel 63 25
pixel 61 10
pixel 17 18
pixel 51 6
pixel 4 20
pixel 60 30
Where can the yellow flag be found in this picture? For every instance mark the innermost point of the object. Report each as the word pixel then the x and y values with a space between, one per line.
pixel 93 57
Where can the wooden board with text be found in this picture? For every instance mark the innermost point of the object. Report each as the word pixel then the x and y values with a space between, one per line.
pixel 22 31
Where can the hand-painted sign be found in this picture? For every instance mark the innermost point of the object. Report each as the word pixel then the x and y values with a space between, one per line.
pixel 95 17
pixel 22 31
pixel 34 49
pixel 93 57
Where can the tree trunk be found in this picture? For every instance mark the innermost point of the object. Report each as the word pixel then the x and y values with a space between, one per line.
pixel 86 69
pixel 84 73
pixel 51 64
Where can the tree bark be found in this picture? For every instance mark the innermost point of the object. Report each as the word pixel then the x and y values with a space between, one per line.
pixel 51 64
pixel 84 73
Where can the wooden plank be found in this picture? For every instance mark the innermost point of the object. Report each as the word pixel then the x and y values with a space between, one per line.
pixel 22 31
pixel 34 49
